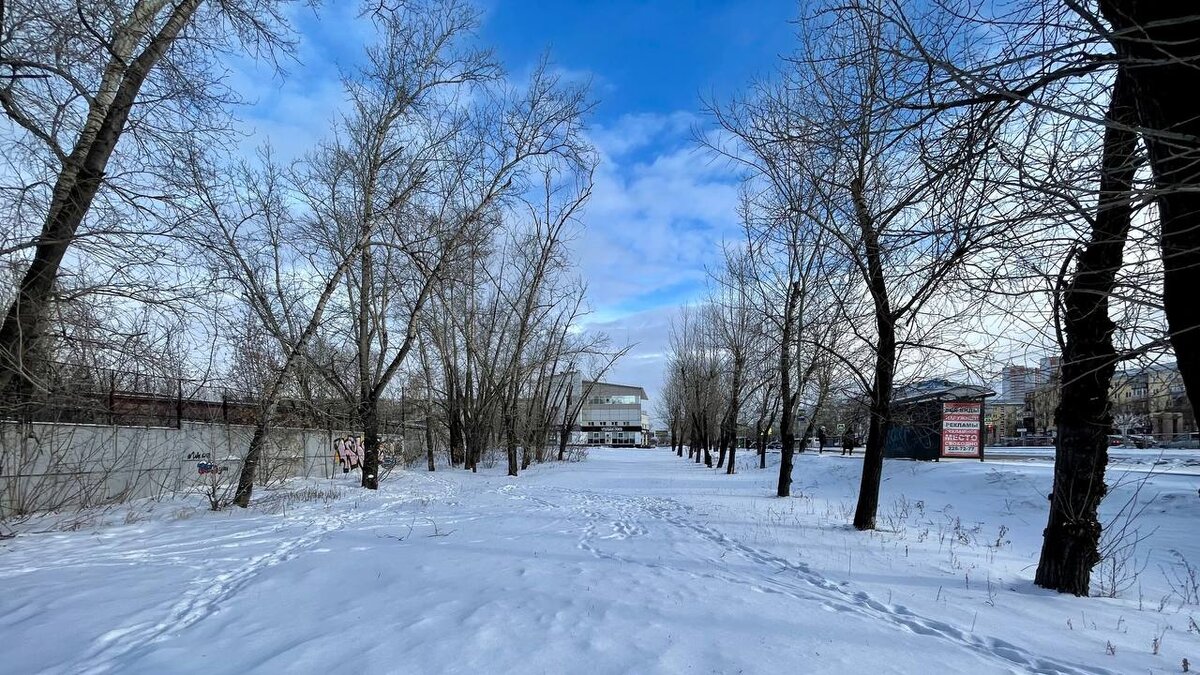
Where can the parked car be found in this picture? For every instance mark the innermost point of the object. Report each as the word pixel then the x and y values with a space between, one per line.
pixel 1140 441
pixel 774 445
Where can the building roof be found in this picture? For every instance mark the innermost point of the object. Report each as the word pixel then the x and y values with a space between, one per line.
pixel 628 387
pixel 1137 370
pixel 940 390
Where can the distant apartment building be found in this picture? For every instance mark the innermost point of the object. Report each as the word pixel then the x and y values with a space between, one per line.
pixel 1048 369
pixel 1149 400
pixel 1003 421
pixel 1041 400
pixel 1040 406
pixel 1017 381
pixel 1152 400
pixel 611 414
pixel 1005 418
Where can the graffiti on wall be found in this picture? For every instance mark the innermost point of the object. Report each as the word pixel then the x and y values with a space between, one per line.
pixel 348 451
pixel 210 468
pixel 206 466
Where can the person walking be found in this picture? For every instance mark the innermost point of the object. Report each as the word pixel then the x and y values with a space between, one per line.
pixel 848 443
pixel 821 438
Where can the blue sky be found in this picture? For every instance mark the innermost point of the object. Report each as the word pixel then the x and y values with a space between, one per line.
pixel 660 207
pixel 646 56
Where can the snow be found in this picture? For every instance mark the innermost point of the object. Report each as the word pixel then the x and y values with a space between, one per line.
pixel 1158 460
pixel 632 561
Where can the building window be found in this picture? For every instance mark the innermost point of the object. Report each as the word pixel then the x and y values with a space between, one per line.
pixel 612 400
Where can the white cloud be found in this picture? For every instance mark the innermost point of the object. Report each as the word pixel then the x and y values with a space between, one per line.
pixel 656 218
pixel 660 211
pixel 636 131
pixel 294 109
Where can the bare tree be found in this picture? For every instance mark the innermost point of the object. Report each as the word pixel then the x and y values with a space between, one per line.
pixel 248 236
pixel 696 357
pixel 1099 271
pixel 541 250
pixel 669 407
pixel 788 259
pixel 732 319
pixel 1157 42
pixel 352 190
pixel 1072 536
pixel 887 189
pixel 66 112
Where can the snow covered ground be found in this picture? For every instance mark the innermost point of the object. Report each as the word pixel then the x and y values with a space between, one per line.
pixel 634 561
pixel 1160 460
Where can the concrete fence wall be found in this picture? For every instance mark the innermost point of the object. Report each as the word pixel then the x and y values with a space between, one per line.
pixel 47 466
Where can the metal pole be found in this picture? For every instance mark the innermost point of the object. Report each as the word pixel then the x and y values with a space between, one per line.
pixel 112 398
pixel 982 408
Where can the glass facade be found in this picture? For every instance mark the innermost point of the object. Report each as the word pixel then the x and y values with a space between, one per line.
pixel 612 415
pixel 612 400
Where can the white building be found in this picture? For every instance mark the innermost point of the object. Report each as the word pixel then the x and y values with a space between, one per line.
pixel 611 414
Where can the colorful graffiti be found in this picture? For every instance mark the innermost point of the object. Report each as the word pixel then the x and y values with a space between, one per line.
pixel 210 468
pixel 348 451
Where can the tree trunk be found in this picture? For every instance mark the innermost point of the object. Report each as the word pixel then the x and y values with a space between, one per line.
pixel 785 470
pixel 429 444
pixel 760 443
pixel 812 420
pixel 510 442
pixel 454 426
pixel 734 410
pixel 266 417
pixel 885 369
pixel 877 429
pixel 564 432
pixel 369 411
pixel 245 488
pixel 787 396
pixel 1071 540
pixel 1160 40
pixel 476 441
pixel 537 439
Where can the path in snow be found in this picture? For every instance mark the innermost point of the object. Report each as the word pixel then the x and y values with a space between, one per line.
pixel 774 575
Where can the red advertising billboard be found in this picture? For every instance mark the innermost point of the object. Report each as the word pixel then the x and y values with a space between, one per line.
pixel 960 429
